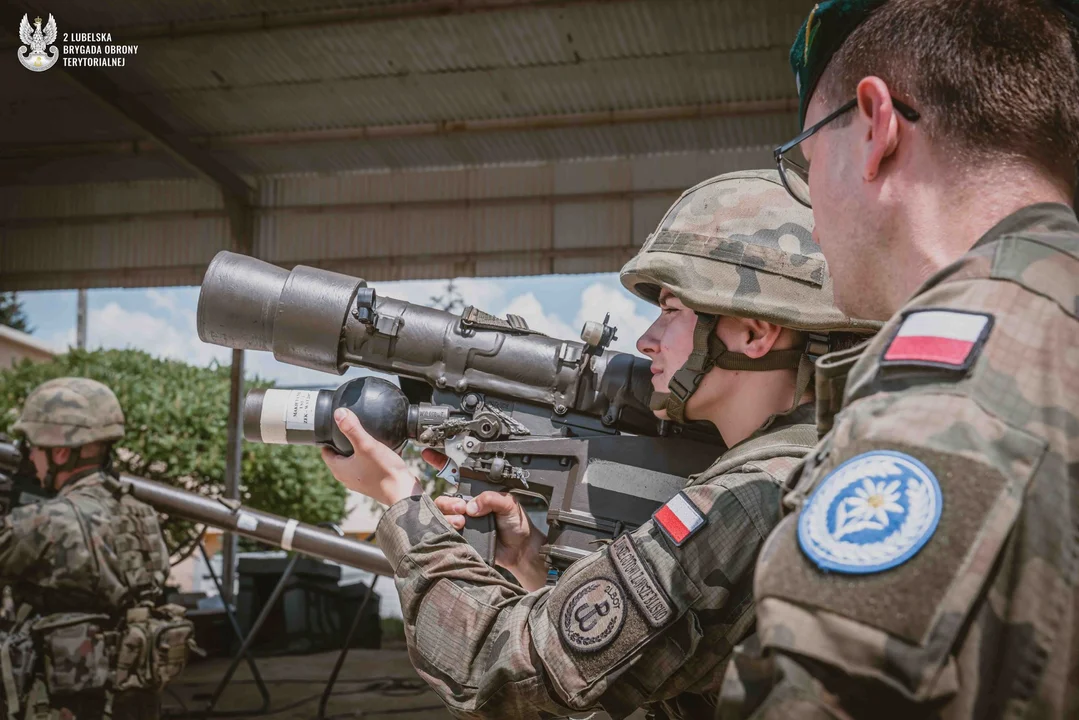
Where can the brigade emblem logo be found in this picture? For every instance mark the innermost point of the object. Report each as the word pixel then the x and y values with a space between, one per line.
pixel 32 53
pixel 593 615
pixel 872 513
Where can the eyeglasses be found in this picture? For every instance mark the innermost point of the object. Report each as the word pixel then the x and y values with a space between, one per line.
pixel 795 177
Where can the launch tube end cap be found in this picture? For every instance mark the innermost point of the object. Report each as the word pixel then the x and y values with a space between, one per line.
pixel 238 302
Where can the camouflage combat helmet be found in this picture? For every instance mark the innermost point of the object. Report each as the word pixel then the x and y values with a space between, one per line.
pixel 739 245
pixel 71 412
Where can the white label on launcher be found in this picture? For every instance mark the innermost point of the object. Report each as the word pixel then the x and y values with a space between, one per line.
pixel 272 421
pixel 300 410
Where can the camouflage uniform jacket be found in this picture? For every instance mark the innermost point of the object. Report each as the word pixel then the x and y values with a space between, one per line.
pixel 982 620
pixel 648 619
pixel 81 551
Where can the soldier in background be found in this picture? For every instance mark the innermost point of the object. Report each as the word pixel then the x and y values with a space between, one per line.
pixel 930 563
pixel 745 303
pixel 85 569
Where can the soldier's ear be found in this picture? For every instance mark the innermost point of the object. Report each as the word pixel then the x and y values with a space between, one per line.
pixel 757 337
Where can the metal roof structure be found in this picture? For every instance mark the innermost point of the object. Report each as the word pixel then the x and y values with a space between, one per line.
pixel 391 139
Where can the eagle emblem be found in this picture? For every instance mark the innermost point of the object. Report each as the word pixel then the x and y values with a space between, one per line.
pixel 32 53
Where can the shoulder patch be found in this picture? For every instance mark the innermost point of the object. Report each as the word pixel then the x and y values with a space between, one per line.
pixel 638 581
pixel 872 513
pixel 948 339
pixel 592 616
pixel 680 519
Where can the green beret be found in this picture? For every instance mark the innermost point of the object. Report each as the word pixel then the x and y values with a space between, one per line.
pixel 823 32
pixel 828 26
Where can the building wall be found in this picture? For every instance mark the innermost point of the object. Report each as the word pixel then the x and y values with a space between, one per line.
pixel 16 345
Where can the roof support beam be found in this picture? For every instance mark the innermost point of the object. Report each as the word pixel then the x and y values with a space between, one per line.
pixel 96 82
pixel 235 191
pixel 142 118
pixel 237 199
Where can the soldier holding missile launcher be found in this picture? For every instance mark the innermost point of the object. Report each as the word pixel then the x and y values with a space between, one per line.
pixel 650 619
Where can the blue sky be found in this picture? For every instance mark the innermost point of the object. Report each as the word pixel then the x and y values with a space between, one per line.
pixel 162 320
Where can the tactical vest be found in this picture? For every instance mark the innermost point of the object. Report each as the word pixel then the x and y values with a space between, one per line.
pixel 140 547
pixel 89 518
pixel 789 436
pixel 125 642
pixel 792 435
pixel 832 371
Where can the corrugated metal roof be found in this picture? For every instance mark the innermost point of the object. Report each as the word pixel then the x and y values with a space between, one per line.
pixel 522 147
pixel 473 149
pixel 109 199
pixel 134 244
pixel 538 61
pixel 568 217
pixel 602 85
pixel 534 37
pixel 76 119
pixel 30 171
pixel 115 14
pixel 519 95
pixel 460 52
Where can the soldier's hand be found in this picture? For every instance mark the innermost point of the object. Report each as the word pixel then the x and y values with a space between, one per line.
pixel 373 469
pixel 518 540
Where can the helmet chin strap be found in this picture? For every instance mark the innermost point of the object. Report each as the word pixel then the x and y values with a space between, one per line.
pixel 710 352
pixel 74 460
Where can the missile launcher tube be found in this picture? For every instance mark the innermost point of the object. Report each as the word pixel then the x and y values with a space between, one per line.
pixel 285 533
pixel 327 321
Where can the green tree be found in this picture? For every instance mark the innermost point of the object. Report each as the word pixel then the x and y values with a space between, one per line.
pixel 451 300
pixel 11 312
pixel 177 419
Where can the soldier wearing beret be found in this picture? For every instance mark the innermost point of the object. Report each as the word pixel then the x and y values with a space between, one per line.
pixel 928 565
pixel 744 302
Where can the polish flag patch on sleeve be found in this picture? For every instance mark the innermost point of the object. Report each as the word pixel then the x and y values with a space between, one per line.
pixel 680 519
pixel 947 339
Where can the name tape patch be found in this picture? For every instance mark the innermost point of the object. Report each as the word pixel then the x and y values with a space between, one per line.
pixel 638 581
pixel 679 519
pixel 947 339
pixel 593 615
pixel 870 514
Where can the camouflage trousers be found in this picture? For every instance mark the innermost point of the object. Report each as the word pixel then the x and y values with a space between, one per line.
pixel 89 705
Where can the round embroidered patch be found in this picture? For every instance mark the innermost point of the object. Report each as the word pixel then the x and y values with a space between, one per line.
pixel 593 615
pixel 872 513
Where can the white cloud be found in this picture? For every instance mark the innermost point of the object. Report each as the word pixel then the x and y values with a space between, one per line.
pixel 159 299
pixel 175 337
pixel 163 321
pixel 596 300
pixel 61 341
pixel 484 293
pixel 600 298
pixel 263 365
pixel 529 307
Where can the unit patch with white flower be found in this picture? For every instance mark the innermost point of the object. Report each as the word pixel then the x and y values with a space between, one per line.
pixel 872 513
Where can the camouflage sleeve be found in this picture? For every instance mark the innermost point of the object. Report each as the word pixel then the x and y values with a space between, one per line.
pixel 21 543
pixel 931 561
pixel 644 619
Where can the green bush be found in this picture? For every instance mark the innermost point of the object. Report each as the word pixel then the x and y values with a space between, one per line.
pixel 177 418
pixel 392 629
